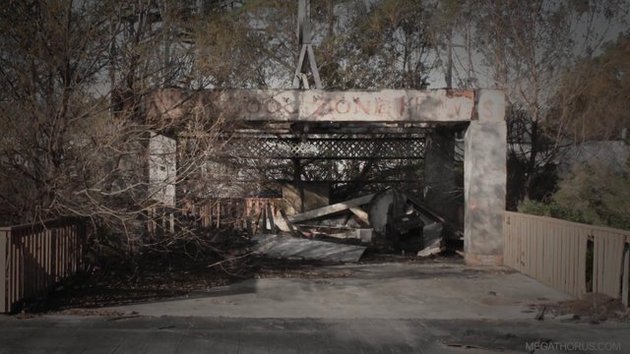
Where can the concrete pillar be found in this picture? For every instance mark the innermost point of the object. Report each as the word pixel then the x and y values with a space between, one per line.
pixel 439 174
pixel 162 169
pixel 485 180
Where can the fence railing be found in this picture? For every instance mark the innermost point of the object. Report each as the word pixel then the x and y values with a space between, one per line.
pixel 34 257
pixel 236 213
pixel 571 257
pixel 251 214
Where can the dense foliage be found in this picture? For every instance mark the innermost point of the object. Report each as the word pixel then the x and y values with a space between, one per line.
pixel 592 193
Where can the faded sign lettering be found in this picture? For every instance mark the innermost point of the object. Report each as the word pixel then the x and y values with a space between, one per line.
pixel 318 105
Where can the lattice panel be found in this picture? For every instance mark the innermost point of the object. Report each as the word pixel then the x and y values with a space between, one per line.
pixel 330 170
pixel 378 148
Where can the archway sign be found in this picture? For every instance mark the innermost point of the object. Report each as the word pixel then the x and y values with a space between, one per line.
pixel 485 139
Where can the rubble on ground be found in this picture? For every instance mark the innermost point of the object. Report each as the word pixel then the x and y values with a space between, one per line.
pixel 288 247
pixel 591 307
pixel 388 221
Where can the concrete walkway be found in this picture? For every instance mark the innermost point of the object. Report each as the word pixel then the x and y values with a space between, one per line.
pixel 386 308
pixel 388 291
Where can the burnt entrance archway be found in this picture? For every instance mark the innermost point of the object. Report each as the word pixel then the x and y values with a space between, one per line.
pixel 352 123
pixel 343 160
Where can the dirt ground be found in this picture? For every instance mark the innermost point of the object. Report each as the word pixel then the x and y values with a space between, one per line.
pixel 154 277
pixel 592 307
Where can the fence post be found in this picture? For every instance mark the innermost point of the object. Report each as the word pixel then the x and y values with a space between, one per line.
pixel 625 276
pixel 83 234
pixel 3 270
pixel 53 253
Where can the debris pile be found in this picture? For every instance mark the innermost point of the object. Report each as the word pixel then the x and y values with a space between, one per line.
pixel 388 221
pixel 591 307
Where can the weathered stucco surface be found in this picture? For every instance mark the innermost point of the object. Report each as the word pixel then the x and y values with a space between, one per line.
pixel 162 169
pixel 317 105
pixel 485 177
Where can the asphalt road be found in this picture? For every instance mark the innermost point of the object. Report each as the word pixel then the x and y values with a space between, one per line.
pixel 75 334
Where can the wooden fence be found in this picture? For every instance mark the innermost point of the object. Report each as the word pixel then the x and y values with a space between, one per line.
pixel 571 257
pixel 236 213
pixel 34 257
pixel 251 214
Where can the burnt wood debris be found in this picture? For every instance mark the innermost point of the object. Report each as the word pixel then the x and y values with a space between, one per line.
pixel 387 221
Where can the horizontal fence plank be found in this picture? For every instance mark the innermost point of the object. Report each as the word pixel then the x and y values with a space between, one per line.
pixel 556 253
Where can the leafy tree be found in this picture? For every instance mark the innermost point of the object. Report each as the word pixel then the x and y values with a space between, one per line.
pixel 591 101
pixel 386 46
pixel 591 193
pixel 358 44
pixel 524 48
